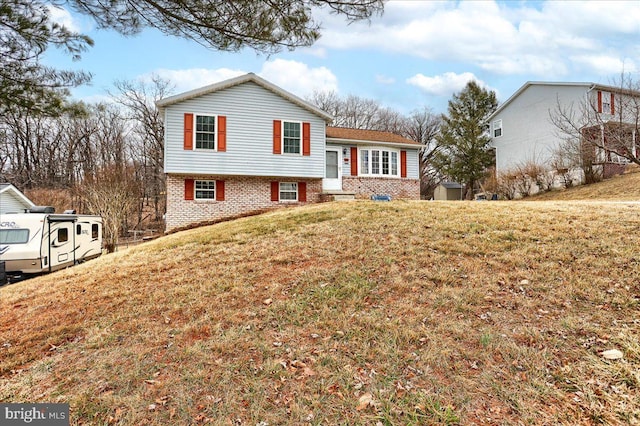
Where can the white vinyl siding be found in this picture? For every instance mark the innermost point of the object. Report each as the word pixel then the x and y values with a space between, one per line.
pixel 9 203
pixel 250 111
pixel 527 132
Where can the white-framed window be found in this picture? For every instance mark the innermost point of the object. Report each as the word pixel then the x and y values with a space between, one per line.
pixel 291 137
pixel 379 162
pixel 205 189
pixel 205 132
pixel 288 191
pixel 497 128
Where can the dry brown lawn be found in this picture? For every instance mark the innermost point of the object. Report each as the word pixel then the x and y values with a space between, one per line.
pixel 401 313
pixel 618 188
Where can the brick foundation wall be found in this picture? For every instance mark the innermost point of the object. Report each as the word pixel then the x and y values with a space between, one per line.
pixel 365 187
pixel 243 195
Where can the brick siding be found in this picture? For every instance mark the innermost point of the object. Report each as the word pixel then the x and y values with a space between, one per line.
pixel 243 195
pixel 365 187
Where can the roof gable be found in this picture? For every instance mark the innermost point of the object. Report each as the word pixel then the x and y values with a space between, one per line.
pixel 368 136
pixel 250 77
pixel 7 188
pixel 587 85
pixel 529 84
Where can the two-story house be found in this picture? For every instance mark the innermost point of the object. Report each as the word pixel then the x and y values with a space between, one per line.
pixel 523 129
pixel 245 145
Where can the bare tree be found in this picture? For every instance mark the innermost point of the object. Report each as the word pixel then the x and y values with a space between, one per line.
pixel 139 99
pixel 111 192
pixel 353 111
pixel 602 131
pixel 422 126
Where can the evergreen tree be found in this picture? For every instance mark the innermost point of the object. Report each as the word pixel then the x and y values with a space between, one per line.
pixel 464 153
pixel 27 30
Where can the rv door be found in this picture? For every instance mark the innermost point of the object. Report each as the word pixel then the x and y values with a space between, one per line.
pixel 61 244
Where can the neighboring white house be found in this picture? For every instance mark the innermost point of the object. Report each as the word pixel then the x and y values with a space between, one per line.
pixel 246 145
pixel 521 128
pixel 12 200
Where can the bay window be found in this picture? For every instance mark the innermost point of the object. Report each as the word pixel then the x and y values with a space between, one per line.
pixel 379 162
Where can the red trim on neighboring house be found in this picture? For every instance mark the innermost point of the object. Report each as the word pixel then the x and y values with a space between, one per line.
pixel 222 133
pixel 277 138
pixel 188 131
pixel 302 192
pixel 403 164
pixel 306 138
pixel 599 101
pixel 354 161
pixel 219 190
pixel 188 189
pixel 275 191
pixel 613 108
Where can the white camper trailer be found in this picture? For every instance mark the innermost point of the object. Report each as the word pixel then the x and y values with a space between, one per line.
pixel 40 241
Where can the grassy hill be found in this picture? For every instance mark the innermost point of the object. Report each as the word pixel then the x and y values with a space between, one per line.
pixel 344 313
pixel 618 188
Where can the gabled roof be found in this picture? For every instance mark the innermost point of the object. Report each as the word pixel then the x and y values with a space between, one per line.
pixel 587 85
pixel 7 188
pixel 250 77
pixel 536 83
pixel 359 136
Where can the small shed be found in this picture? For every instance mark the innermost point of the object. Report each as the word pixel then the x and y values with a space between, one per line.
pixel 12 200
pixel 448 191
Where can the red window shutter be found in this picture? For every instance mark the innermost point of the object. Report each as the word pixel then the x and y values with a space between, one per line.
pixel 222 133
pixel 219 190
pixel 613 108
pixel 403 164
pixel 275 191
pixel 188 131
pixel 306 138
pixel 188 189
pixel 277 137
pixel 354 161
pixel 302 192
pixel 599 101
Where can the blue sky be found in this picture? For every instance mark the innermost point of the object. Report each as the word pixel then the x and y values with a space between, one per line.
pixel 418 53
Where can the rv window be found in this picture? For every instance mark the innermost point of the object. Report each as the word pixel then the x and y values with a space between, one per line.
pixel 14 236
pixel 78 229
pixel 94 231
pixel 63 235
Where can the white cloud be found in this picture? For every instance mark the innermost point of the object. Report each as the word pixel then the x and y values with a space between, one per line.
pixel 293 76
pixel 604 64
pixel 298 78
pixel 185 80
pixel 445 84
pixel 63 17
pixel 504 38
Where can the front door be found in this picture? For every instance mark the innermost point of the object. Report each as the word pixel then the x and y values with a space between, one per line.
pixel 333 170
